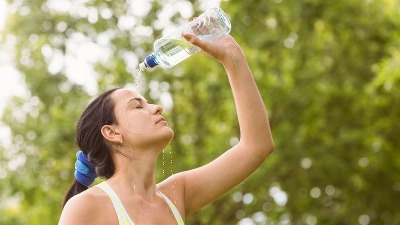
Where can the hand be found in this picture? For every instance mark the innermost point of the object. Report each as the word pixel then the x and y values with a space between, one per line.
pixel 225 49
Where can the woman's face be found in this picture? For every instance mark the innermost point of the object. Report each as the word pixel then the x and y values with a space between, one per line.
pixel 140 123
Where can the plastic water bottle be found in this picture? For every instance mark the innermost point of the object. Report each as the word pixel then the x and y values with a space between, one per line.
pixel 173 48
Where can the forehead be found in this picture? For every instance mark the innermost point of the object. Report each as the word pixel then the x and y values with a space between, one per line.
pixel 122 96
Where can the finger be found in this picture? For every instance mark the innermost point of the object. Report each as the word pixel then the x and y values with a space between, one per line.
pixel 196 41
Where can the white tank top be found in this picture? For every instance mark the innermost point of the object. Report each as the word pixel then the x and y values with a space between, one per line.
pixel 123 216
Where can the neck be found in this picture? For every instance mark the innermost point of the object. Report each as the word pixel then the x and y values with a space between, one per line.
pixel 135 173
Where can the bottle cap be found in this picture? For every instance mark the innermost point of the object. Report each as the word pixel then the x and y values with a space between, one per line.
pixel 151 61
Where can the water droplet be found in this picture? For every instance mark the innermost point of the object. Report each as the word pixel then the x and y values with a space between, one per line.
pixel 163 164
pixel 171 161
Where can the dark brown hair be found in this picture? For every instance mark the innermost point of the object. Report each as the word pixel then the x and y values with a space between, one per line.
pixel 89 139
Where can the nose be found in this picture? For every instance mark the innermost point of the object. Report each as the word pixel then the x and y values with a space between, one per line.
pixel 158 109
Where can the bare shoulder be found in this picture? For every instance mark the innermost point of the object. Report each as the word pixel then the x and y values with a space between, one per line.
pixel 92 206
pixel 173 187
pixel 174 183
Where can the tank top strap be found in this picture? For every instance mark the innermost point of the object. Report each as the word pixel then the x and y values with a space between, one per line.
pixel 123 216
pixel 174 210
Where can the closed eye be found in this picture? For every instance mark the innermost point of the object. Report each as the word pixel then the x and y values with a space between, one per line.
pixel 136 103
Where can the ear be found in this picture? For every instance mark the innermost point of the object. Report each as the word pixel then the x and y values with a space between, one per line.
pixel 111 134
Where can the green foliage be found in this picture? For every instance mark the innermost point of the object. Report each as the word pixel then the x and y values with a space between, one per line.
pixel 328 71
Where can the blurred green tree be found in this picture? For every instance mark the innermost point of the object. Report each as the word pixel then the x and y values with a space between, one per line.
pixel 328 72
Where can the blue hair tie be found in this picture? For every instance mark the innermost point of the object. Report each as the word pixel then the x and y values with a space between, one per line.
pixel 84 170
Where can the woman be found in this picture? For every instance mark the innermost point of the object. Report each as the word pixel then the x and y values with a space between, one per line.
pixel 121 136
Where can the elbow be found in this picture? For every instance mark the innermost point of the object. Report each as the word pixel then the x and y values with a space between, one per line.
pixel 268 148
pixel 264 149
pixel 266 145
pixel 271 147
pixel 262 142
pixel 261 147
pixel 259 143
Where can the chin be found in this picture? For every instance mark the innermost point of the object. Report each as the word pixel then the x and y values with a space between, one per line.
pixel 167 136
pixel 171 135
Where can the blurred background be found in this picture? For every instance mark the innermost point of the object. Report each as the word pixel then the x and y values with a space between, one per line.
pixel 328 71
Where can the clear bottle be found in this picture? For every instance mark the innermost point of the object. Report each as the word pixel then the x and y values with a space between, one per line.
pixel 173 48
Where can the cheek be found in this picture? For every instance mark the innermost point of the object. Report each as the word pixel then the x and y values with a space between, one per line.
pixel 136 122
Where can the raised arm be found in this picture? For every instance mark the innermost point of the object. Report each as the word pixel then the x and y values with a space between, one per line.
pixel 205 184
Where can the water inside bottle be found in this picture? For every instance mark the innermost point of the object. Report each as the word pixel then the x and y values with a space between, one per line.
pixel 173 51
pixel 173 47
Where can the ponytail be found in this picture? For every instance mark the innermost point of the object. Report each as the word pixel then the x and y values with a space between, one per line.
pixel 75 189
pixel 85 175
pixel 95 157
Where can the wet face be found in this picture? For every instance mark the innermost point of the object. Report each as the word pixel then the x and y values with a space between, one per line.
pixel 140 123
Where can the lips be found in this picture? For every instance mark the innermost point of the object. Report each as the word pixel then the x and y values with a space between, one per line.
pixel 161 120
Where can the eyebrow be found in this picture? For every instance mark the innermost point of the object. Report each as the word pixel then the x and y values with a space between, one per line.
pixel 135 99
